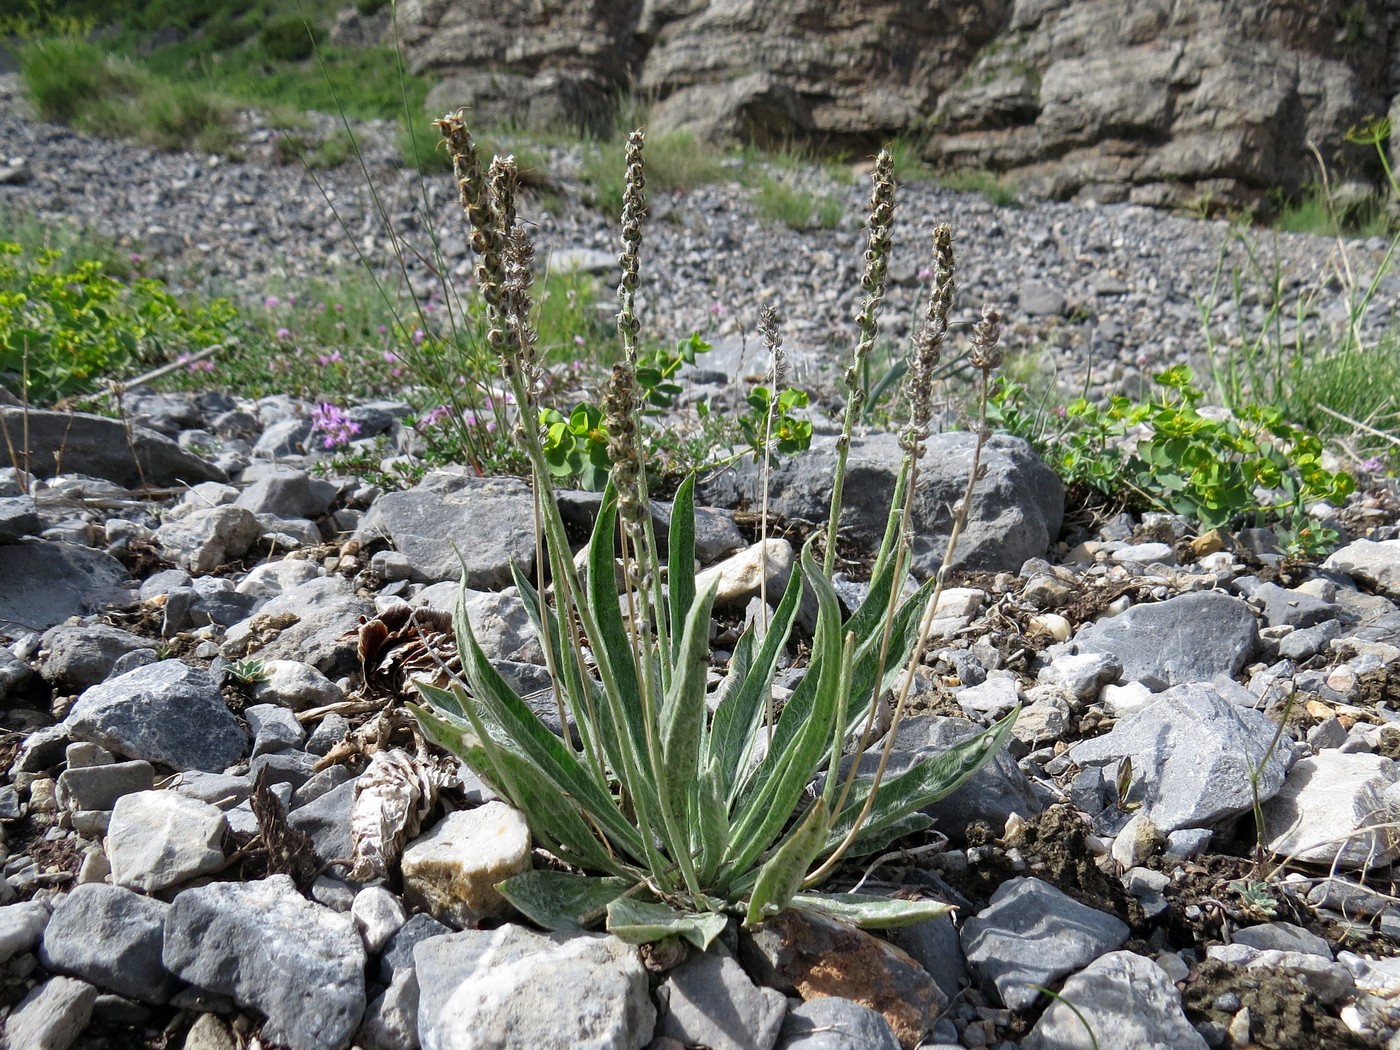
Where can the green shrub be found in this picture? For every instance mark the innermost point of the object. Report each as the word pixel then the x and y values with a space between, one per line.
pixel 1167 454
pixel 64 75
pixel 67 325
pixel 778 199
pixel 290 39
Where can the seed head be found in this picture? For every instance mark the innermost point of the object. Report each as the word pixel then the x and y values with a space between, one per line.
pixel 986 338
pixel 927 349
pixel 634 206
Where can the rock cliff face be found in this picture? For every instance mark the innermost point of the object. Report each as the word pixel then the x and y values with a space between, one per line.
pixel 1155 101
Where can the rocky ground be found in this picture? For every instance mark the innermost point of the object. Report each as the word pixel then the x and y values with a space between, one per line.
pixel 194 719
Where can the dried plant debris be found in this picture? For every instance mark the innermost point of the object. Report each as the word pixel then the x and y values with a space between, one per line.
pixel 289 850
pixel 392 797
pixel 403 643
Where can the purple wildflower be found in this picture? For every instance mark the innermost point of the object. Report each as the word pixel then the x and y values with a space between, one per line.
pixel 336 427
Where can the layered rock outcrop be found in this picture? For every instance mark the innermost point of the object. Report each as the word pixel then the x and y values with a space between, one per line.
pixel 1156 101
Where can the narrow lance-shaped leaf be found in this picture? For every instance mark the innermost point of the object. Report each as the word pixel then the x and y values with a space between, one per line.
pixel 558 900
pixel 870 912
pixel 924 783
pixel 680 574
pixel 522 733
pixel 738 715
pixel 764 812
pixel 683 711
pixel 641 922
pixel 782 874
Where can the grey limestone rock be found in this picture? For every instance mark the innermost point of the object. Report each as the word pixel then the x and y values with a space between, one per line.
pixel 1191 752
pixel 19 517
pixel 52 1016
pixel 490 520
pixel 509 987
pixel 77 657
pixel 42 583
pixel 1015 512
pixel 105 448
pixel 271 950
pixel 21 926
pixel 834 1023
pixel 1126 1000
pixel 159 839
pixel 1189 638
pixel 111 937
pixel 710 1001
pixel 1032 934
pixel 168 712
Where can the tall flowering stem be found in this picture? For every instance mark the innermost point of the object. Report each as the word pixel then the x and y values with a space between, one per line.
pixel 872 282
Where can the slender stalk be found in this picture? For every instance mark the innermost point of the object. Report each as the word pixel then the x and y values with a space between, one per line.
pixel 877 250
pixel 768 329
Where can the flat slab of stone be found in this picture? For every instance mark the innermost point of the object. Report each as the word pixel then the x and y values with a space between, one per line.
pixel 159 839
pixel 451 872
pixel 1033 934
pixel 490 520
pixel 111 937
pixel 510 987
pixel 1376 564
pixel 43 583
pixel 105 448
pixel 1189 638
pixel 1191 751
pixel 1336 808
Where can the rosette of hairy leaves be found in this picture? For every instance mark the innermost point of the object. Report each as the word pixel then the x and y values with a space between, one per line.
pixel 673 806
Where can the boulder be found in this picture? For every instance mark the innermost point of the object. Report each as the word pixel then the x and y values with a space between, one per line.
pixel 79 443
pixel 1016 508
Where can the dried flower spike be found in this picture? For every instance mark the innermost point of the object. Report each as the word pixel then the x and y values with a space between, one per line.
pixel 927 349
pixel 986 338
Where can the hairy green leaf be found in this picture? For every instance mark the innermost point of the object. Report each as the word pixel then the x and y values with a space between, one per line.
pixel 558 900
pixel 641 922
pixel 782 874
pixel 870 912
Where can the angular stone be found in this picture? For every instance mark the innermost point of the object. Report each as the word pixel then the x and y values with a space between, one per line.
pixel 315 623
pixel 43 583
pixel 271 950
pixel 391 1019
pixel 452 870
pixel 1191 752
pixel 813 957
pixel 710 1001
pixel 1126 1000
pixel 509 987
pixel 835 1024
pixel 327 820
pixel 1292 607
pixel 104 448
pixel 1283 937
pixel 295 685
pixel 490 520
pixel 1375 564
pixel 52 1016
pixel 110 937
pixel 398 952
pixel 274 728
pixel 1066 936
pixel 205 539
pixel 77 657
pixel 287 493
pixel 19 517
pixel 167 712
pixel 1015 513
pixel 21 926
pixel 1320 813
pixel 378 915
pixel 99 787
pixel 1189 638
pixel 159 839
pixel 1083 675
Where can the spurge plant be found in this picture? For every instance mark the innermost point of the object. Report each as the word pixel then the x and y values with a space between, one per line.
pixel 665 818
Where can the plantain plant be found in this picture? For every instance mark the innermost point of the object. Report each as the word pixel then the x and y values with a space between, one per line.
pixel 666 818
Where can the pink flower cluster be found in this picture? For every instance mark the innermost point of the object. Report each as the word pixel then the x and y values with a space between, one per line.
pixel 334 425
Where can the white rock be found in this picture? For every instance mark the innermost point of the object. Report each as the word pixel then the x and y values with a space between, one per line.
pixel 452 871
pixel 1128 699
pixel 992 698
pixel 1136 842
pixel 272 578
pixel 159 839
pixel 378 914
pixel 1318 815
pixel 1375 564
pixel 52 1016
pixel 1052 624
pixel 293 684
pixel 739 575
